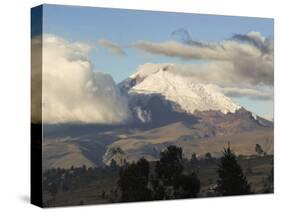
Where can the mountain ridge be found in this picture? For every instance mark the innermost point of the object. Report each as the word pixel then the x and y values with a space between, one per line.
pixel 162 115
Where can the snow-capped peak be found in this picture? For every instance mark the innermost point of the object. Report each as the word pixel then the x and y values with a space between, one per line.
pixel 150 69
pixel 189 95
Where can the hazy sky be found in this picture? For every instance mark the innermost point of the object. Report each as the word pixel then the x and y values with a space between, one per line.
pixel 115 32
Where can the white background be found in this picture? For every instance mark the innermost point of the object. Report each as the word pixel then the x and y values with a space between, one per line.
pixel 15 103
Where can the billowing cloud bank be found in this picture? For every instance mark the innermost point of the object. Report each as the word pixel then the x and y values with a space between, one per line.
pixel 72 92
pixel 242 65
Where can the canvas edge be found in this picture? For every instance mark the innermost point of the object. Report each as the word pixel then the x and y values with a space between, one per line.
pixel 36 195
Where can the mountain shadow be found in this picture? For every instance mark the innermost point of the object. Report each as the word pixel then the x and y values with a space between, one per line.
pixel 161 111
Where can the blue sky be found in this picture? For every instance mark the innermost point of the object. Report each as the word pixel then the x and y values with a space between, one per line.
pixel 125 27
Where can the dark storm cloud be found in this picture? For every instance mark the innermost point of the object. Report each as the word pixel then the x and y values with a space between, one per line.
pixel 255 39
pixel 184 36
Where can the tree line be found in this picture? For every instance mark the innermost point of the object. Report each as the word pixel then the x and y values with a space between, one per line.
pixel 170 177
pixel 167 180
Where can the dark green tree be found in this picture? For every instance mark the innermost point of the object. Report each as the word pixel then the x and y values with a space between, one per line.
pixel 269 182
pixel 187 186
pixel 208 156
pixel 194 163
pixel 159 191
pixel 170 164
pixel 169 175
pixel 133 182
pixel 193 158
pixel 52 181
pixel 113 165
pixel 231 179
pixel 259 149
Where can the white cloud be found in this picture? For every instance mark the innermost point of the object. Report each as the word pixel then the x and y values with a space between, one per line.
pixel 243 59
pixel 248 92
pixel 242 66
pixel 72 91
